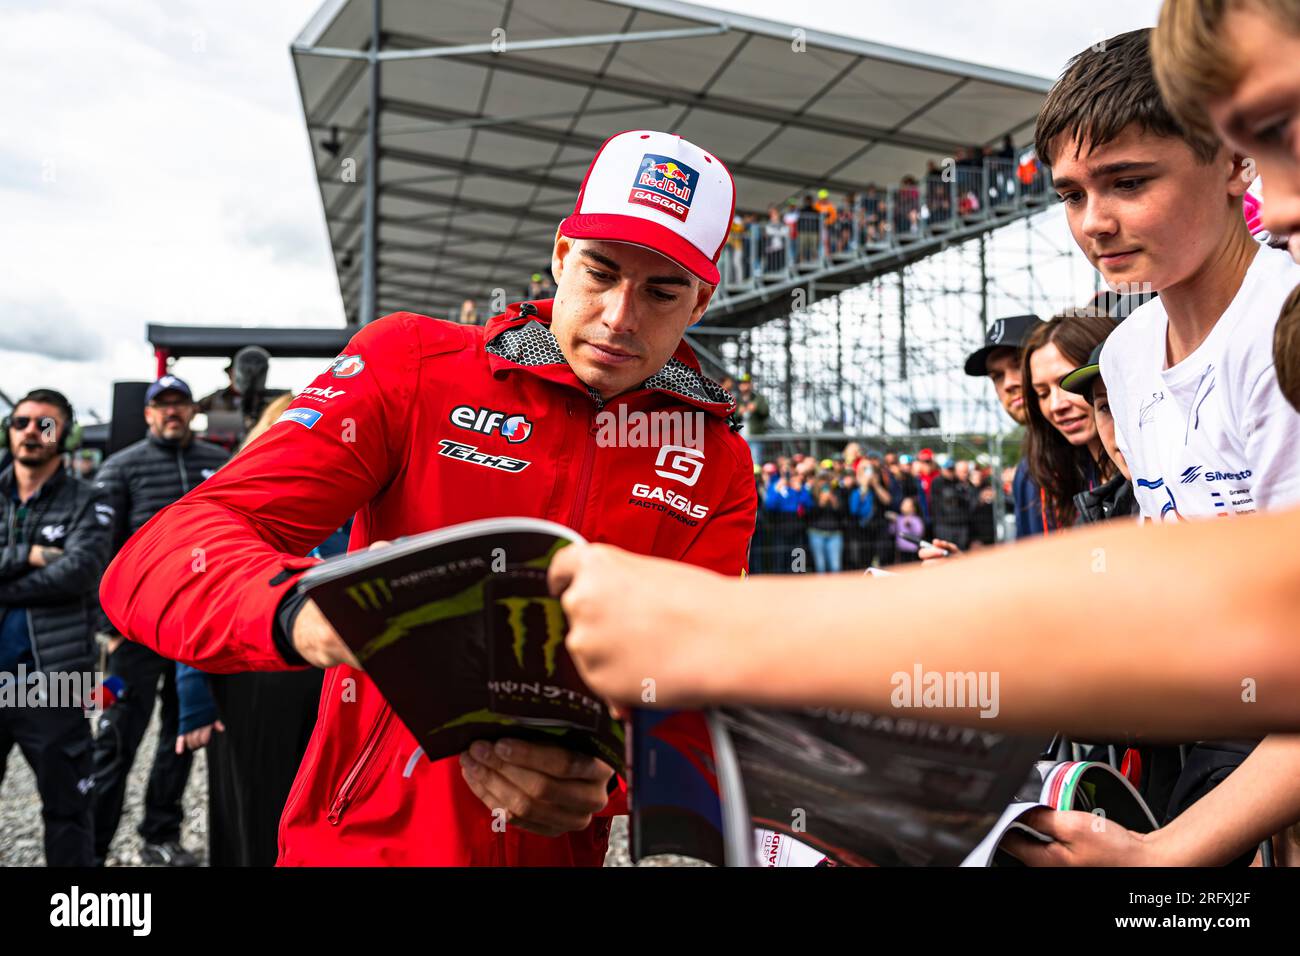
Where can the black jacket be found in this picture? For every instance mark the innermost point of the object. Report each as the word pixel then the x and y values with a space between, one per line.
pixel 142 479
pixel 1114 499
pixel 59 599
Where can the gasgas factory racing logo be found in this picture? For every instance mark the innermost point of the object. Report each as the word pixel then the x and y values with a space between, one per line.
pixel 664 184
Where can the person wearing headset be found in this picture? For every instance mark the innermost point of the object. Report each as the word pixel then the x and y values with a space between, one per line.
pixel 54 542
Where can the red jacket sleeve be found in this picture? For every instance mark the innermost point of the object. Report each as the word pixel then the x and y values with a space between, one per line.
pixel 201 581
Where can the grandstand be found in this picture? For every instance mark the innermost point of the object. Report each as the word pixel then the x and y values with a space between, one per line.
pixel 479 118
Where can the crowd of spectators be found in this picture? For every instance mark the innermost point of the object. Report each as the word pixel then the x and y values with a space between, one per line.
pixel 860 509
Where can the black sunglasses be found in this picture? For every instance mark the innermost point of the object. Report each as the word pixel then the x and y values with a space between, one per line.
pixel 19 423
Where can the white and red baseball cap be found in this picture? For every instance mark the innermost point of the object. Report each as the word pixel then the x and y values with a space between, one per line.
pixel 658 191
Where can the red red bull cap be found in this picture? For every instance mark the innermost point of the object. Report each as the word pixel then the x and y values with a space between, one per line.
pixel 658 191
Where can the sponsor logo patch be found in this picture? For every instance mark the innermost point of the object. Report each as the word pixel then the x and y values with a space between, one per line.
pixel 307 417
pixel 680 463
pixel 469 453
pixel 513 427
pixel 346 366
pixel 663 183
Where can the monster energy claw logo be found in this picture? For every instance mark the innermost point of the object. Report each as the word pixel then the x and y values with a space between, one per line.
pixel 516 606
pixel 367 594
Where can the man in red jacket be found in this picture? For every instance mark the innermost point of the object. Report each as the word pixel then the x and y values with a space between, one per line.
pixel 423 423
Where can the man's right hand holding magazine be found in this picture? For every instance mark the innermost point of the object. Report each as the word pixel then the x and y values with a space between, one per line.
pixel 543 789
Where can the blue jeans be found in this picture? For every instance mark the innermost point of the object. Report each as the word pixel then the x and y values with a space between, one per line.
pixel 827 550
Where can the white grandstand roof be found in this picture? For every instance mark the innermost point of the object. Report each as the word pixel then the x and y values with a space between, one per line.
pixel 481 152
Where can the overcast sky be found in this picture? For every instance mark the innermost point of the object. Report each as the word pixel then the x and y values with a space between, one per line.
pixel 154 166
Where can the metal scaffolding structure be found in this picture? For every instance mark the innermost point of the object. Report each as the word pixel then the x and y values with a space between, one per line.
pixel 872 361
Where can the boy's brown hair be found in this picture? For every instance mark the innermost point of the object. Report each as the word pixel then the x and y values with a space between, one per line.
pixel 1103 90
pixel 1286 349
pixel 1191 58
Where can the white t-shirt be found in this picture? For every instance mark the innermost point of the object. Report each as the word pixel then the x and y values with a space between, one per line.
pixel 1212 435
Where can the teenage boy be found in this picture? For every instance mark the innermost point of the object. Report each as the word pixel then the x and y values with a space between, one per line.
pixel 1198 414
pixel 1233 69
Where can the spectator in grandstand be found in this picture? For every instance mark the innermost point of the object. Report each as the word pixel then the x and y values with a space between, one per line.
pixel 983 524
pixel 825 522
pixel 847 217
pixel 937 199
pixel 1000 359
pixel 870 540
pixel 874 204
pixel 825 207
pixel 907 206
pixel 1062 446
pixel 468 313
pixel 755 412
pixel 139 481
pixel 807 231
pixel 952 502
pixel 736 249
pixel 787 501
pixel 776 238
pixel 907 524
pixel 53 547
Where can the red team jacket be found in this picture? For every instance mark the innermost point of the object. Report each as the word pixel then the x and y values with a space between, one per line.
pixel 419 425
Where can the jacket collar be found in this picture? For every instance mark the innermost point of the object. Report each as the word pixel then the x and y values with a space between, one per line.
pixel 521 338
pixel 48 487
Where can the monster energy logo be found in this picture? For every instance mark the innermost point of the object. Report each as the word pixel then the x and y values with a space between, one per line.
pixel 368 593
pixel 516 606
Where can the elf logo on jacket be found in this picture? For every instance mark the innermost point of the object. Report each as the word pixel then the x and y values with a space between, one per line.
pixel 104 514
pixel 680 463
pixel 52 532
pixel 514 428
pixel 454 449
pixel 663 183
pixel 206 473
pixel 346 366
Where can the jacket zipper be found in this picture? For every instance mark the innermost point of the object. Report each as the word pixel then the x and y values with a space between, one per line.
pixel 180 466
pixel 584 477
pixel 344 796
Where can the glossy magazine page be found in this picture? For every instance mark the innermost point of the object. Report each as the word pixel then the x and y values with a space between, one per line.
pixel 459 632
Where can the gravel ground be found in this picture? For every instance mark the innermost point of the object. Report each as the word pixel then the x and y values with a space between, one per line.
pixel 21 830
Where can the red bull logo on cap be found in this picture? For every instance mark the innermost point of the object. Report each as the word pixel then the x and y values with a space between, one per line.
pixel 665 184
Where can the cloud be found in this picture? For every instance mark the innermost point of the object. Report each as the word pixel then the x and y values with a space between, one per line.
pixel 51 329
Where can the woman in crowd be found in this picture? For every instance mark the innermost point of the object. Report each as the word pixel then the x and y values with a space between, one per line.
pixel 1065 453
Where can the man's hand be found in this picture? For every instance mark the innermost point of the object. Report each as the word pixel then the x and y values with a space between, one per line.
pixel 542 789
pixel 634 619
pixel 197 739
pixel 317 641
pixel 941 549
pixel 42 556
pixel 1082 839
